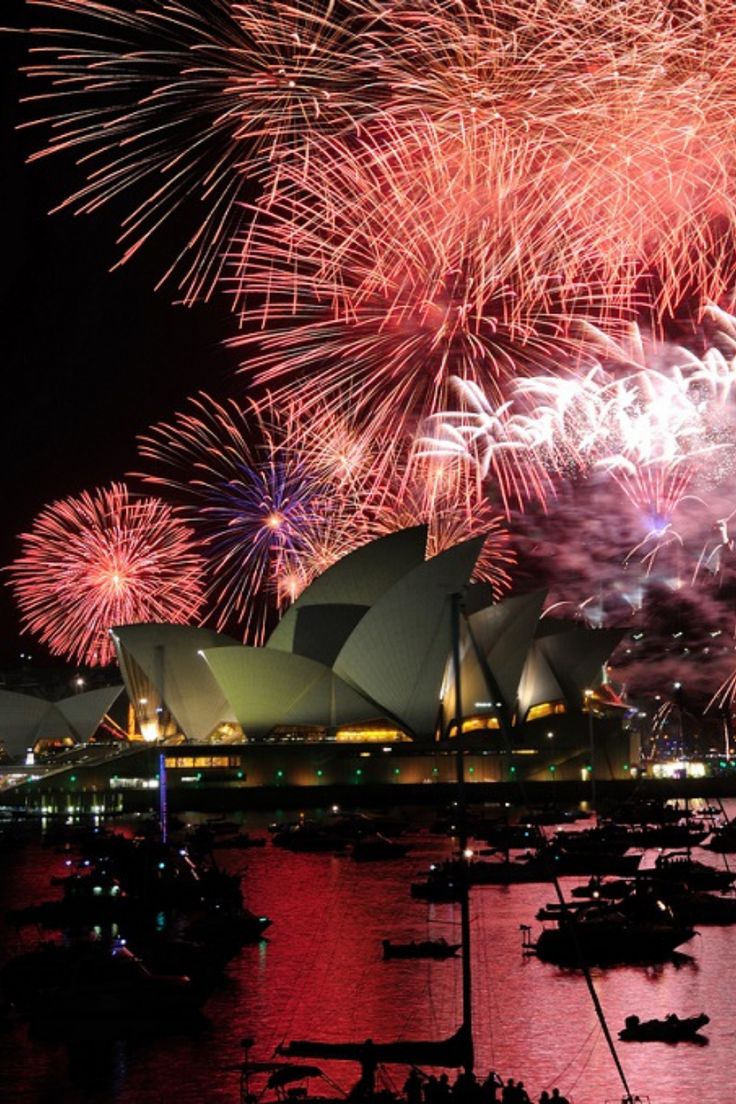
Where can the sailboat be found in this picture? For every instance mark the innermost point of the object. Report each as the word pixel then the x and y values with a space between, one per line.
pixel 457 1050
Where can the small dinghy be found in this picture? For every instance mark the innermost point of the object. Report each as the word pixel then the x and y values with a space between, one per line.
pixel 671 1029
pixel 427 948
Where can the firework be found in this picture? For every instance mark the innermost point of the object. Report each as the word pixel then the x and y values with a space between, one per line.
pixel 391 267
pixel 101 559
pixel 654 417
pixel 627 110
pixel 443 494
pixel 269 519
pixel 176 107
pixel 609 127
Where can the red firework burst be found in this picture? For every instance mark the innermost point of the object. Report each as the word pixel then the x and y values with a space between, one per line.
pixel 101 559
pixel 397 263
pixel 176 107
pixel 627 109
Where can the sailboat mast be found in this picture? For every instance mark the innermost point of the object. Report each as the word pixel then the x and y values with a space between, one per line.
pixel 467 986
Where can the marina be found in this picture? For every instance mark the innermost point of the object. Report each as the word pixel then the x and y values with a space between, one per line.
pixel 318 973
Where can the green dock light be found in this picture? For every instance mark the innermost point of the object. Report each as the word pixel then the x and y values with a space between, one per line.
pixel 319 773
pixel 397 770
pixel 359 771
pixel 626 766
pixel 512 770
pixel 279 774
pixel 435 770
pixel 241 774
pixel 552 768
pixel 73 777
pixel 722 764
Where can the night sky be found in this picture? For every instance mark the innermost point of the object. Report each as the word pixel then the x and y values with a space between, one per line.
pixel 90 358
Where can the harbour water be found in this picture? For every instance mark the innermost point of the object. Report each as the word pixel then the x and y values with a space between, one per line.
pixel 320 974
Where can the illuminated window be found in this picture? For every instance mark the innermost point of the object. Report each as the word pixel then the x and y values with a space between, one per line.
pixel 480 723
pixel 545 709
pixel 357 735
pixel 201 762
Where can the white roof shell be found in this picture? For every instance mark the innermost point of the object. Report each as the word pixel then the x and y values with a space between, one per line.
pixel 83 712
pixel 397 654
pixel 267 688
pixel 357 580
pixel 563 660
pixel 25 719
pixel 171 658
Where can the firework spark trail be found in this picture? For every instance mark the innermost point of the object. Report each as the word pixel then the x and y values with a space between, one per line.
pixel 445 495
pixel 101 559
pixel 629 105
pixel 655 418
pixel 515 451
pixel 392 266
pixel 621 114
pixel 179 108
pixel 269 520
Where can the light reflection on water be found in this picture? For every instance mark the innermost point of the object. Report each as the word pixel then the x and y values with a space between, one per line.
pixel 320 975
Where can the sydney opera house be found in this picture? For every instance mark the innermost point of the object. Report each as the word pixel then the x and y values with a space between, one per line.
pixel 383 662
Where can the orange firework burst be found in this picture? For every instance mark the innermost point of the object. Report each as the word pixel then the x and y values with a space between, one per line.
pixel 105 558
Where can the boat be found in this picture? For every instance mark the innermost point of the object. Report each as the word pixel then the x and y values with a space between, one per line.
pixel 696 906
pixel 286 1080
pixel 599 889
pixel 605 935
pixel 307 836
pixel 240 840
pixel 679 866
pixel 96 982
pixel 426 948
pixel 672 1029
pixel 444 882
pixel 376 848
pixel 723 839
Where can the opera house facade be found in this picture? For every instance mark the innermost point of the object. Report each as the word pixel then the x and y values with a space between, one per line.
pixel 376 670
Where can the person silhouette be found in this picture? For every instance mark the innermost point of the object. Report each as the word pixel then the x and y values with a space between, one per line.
pixel 413 1088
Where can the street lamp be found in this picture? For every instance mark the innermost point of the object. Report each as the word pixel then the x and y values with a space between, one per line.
pixel 591 746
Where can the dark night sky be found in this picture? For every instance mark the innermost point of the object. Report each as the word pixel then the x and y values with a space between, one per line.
pixel 90 358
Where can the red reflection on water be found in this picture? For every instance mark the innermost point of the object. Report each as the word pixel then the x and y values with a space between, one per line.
pixel 321 975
